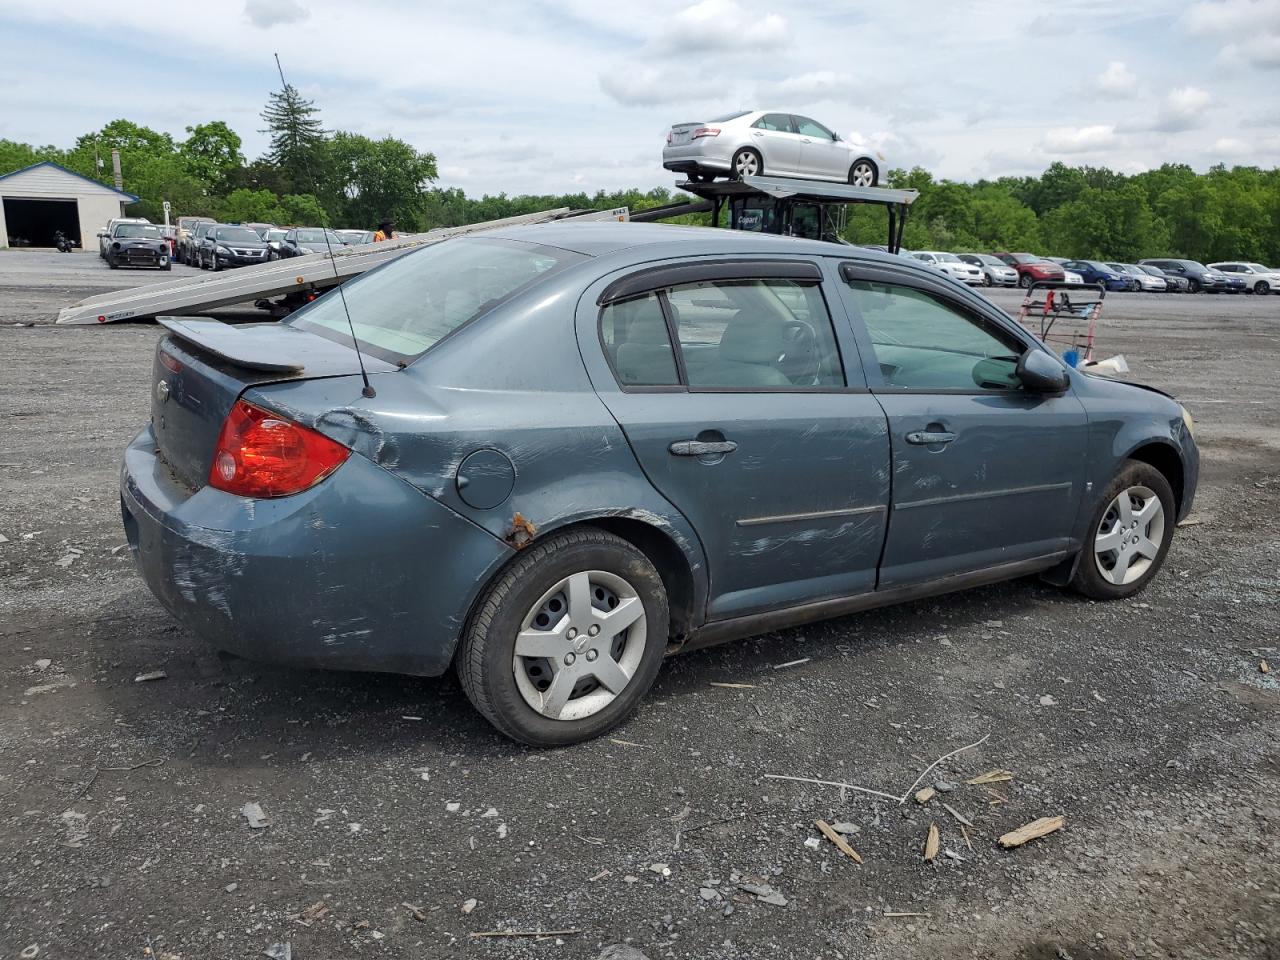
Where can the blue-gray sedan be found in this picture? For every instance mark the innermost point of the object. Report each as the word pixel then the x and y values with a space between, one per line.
pixel 586 446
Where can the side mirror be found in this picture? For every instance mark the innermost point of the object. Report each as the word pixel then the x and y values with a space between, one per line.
pixel 1041 373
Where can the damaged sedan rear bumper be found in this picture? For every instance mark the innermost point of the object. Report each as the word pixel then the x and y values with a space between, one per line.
pixel 304 579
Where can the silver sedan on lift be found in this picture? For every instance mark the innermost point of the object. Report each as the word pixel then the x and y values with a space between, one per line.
pixel 758 143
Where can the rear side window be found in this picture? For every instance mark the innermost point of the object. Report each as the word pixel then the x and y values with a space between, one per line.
pixel 780 122
pixel 766 334
pixel 635 337
pixel 923 343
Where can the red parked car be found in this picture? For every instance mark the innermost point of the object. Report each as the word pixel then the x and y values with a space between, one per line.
pixel 1032 268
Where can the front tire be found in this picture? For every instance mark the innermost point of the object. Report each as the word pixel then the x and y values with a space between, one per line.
pixel 747 163
pixel 986 280
pixel 1025 281
pixel 863 173
pixel 216 264
pixel 1129 535
pixel 1262 288
pixel 567 640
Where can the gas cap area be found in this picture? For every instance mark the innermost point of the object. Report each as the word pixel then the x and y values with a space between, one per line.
pixel 485 479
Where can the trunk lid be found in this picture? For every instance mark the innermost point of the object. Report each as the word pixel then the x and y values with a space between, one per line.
pixel 203 366
pixel 683 132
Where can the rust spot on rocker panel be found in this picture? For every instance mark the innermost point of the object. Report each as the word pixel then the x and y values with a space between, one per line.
pixel 521 533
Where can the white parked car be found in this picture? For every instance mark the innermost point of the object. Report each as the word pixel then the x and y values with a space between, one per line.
pixel 1147 283
pixel 1070 276
pixel 951 265
pixel 995 272
pixel 1256 277
pixel 752 143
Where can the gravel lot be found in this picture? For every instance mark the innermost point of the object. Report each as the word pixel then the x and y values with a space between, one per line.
pixel 1148 724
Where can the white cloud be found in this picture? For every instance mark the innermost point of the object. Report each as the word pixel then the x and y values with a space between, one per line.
pixel 721 25
pixel 1261 50
pixel 1080 139
pixel 1182 109
pixel 1117 79
pixel 810 87
pixel 270 13
pixel 1231 147
pixel 647 86
pixel 1258 21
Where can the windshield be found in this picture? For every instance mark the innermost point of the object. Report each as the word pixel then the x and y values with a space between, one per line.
pixel 1257 268
pixel 237 235
pixel 403 309
pixel 1026 258
pixel 948 258
pixel 138 230
pixel 317 236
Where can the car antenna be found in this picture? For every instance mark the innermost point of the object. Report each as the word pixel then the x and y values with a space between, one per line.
pixel 368 392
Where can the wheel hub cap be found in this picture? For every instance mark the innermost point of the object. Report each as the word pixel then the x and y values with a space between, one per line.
pixel 1130 536
pixel 580 645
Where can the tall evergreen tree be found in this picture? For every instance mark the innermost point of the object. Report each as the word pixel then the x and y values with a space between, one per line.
pixel 297 138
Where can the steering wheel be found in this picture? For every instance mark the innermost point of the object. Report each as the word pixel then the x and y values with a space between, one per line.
pixel 799 359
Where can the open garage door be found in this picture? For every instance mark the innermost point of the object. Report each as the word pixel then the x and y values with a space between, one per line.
pixel 36 221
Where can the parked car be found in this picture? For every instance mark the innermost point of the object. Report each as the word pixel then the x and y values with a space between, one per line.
pixel 554 489
pixel 1071 277
pixel 1173 282
pixel 274 237
pixel 757 142
pixel 356 238
pixel 230 246
pixel 1255 277
pixel 995 272
pixel 1031 268
pixel 951 265
pixel 105 234
pixel 1102 275
pixel 1147 282
pixel 300 241
pixel 182 250
pixel 137 245
pixel 195 240
pixel 1198 276
pixel 261 229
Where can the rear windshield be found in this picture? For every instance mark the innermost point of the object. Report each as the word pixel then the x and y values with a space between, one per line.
pixel 138 230
pixel 729 116
pixel 401 310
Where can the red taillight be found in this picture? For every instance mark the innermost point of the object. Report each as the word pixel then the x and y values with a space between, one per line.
pixel 706 132
pixel 261 454
pixel 668 138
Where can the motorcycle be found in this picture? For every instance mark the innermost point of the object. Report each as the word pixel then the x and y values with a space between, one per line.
pixel 64 243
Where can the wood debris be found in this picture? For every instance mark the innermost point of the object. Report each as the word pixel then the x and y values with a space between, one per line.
pixel 524 933
pixel 732 686
pixel 925 795
pixel 1264 667
pixel 791 663
pixel 931 843
pixel 965 833
pixel 902 913
pixel 600 876
pixel 991 776
pixel 841 844
pixel 964 821
pixel 627 743
pixel 1032 831
pixel 416 912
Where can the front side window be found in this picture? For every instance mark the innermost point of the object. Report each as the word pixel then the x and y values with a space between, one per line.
pixel 401 310
pixel 811 128
pixel 923 343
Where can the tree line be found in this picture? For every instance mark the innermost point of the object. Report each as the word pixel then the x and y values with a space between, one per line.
pixel 310 175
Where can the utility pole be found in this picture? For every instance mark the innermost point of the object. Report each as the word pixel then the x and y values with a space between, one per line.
pixel 115 169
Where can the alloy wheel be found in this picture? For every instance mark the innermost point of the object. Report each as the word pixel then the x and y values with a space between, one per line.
pixel 580 645
pixel 1130 536
pixel 747 164
pixel 863 174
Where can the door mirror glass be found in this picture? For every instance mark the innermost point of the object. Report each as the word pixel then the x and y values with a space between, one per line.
pixel 1041 373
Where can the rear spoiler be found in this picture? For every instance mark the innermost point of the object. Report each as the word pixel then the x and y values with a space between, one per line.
pixel 270 347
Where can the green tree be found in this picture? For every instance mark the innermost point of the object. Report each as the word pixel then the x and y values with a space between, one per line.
pixel 302 210
pixel 297 138
pixel 369 180
pixel 210 152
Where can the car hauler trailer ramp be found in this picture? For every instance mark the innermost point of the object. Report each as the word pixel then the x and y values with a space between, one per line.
pixel 313 273
pixel 813 209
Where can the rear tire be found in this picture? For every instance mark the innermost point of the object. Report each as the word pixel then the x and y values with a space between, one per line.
pixel 1126 545
pixel 747 162
pixel 534 602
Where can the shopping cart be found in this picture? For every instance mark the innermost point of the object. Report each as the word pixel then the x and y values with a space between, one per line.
pixel 1064 317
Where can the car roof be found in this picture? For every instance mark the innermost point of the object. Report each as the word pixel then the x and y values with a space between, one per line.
pixel 599 238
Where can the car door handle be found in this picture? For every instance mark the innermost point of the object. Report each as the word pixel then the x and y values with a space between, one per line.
pixel 926 437
pixel 702 448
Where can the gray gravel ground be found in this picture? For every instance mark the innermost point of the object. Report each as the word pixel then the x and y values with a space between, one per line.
pixel 1148 724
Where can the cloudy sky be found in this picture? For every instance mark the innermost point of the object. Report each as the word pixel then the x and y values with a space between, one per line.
pixel 559 95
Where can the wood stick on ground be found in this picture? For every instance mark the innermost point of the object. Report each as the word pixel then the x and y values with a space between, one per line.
pixel 1031 831
pixel 832 783
pixel 991 776
pixel 525 933
pixel 415 912
pixel 925 795
pixel 841 844
pixel 964 821
pixel 732 686
pixel 931 843
pixel 902 913
pixel 945 756
pixel 965 833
